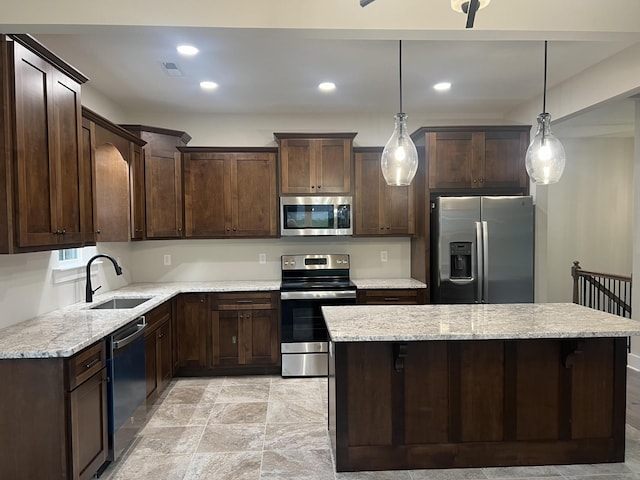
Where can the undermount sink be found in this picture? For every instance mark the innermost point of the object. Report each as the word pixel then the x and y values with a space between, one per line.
pixel 120 302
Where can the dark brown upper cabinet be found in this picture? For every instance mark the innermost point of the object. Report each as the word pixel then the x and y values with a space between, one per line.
pixel 230 192
pixel 315 163
pixel 162 180
pixel 42 192
pixel 478 158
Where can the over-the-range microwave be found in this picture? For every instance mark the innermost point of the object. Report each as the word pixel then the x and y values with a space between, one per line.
pixel 315 216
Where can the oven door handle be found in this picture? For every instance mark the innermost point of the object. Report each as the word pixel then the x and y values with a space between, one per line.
pixel 123 342
pixel 321 295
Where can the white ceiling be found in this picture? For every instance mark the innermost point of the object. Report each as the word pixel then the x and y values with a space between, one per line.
pixel 276 71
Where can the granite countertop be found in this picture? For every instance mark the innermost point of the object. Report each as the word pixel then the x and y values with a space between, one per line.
pixel 64 332
pixel 388 283
pixel 408 323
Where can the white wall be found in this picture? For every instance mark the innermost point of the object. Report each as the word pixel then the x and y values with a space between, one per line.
pixel 589 213
pixel 201 260
pixel 27 287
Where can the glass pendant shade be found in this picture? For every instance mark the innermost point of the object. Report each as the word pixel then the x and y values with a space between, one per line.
pixel 399 160
pixel 545 156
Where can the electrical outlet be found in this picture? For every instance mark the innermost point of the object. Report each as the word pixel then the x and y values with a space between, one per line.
pixel 262 258
pixel 167 259
pixel 383 255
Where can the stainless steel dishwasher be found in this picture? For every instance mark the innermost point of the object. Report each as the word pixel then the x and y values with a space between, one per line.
pixel 126 388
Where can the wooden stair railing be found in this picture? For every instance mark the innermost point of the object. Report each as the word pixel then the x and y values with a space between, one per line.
pixel 602 291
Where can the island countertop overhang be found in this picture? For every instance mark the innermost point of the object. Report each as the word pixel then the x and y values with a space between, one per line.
pixel 407 323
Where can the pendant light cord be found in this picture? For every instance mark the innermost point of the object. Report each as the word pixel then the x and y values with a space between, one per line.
pixel 400 70
pixel 544 93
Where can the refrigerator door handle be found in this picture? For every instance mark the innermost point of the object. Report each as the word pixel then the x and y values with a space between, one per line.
pixel 485 262
pixel 479 263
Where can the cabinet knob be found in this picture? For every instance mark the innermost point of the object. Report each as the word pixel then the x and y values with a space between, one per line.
pixel 382 228
pixel 313 186
pixel 234 229
pixel 234 339
pixel 63 232
pixel 319 187
pixel 388 227
pixel 228 229
pixel 202 300
pixel 98 232
pixel 475 180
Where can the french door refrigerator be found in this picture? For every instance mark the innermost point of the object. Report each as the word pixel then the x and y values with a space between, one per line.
pixel 482 250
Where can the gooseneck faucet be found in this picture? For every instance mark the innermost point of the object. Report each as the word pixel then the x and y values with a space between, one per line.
pixel 89 290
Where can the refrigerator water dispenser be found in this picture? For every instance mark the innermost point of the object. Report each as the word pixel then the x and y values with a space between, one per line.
pixel 460 260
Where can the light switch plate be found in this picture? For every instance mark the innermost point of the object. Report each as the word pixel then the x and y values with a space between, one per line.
pixel 167 259
pixel 383 255
pixel 262 258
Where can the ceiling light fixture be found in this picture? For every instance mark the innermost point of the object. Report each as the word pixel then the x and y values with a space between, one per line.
pixel 327 86
pixel 442 86
pixel 545 157
pixel 399 161
pixel 187 50
pixel 208 85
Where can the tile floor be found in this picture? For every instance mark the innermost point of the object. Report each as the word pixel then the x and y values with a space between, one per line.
pixel 268 428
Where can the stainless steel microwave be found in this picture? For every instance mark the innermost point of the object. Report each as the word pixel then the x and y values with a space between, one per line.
pixel 315 216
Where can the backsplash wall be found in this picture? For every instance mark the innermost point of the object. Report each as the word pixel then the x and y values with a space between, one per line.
pixel 205 260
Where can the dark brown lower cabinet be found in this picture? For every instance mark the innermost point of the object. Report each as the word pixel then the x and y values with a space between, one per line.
pixel 158 350
pixel 53 420
pixel 391 296
pixel 228 333
pixel 458 404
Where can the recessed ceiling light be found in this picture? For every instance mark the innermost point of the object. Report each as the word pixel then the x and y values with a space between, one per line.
pixel 327 87
pixel 208 85
pixel 188 50
pixel 442 86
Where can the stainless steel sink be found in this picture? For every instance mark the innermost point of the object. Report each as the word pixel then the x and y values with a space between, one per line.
pixel 121 302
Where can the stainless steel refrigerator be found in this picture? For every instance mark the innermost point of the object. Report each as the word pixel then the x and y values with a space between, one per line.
pixel 482 250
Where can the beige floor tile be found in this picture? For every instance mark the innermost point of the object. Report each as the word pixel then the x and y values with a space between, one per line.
pixel 189 394
pixel 287 411
pixel 303 436
pixel 448 474
pixel 165 467
pixel 224 466
pixel 231 438
pixel 243 393
pixel 169 440
pixel 297 465
pixel 179 415
pixel 249 412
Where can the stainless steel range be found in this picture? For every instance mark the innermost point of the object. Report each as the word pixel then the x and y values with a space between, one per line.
pixel 308 283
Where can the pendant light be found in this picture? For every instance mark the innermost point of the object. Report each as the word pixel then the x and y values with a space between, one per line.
pixel 545 156
pixel 399 161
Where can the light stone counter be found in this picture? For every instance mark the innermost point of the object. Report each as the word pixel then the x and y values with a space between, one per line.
pixel 64 332
pixel 408 323
pixel 387 283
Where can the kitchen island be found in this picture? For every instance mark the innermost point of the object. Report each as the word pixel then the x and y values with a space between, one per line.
pixel 453 386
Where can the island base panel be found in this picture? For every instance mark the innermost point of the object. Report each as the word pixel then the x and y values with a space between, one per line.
pixel 457 404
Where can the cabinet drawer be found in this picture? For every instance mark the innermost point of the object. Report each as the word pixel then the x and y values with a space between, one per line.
pixel 389 297
pixel 245 301
pixel 84 364
pixel 157 317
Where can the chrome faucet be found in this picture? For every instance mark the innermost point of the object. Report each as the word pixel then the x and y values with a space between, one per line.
pixel 89 291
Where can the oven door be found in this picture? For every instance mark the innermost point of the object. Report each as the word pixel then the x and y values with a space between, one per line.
pixel 304 334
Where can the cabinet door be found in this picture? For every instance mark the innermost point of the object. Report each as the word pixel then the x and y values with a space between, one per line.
pixel 260 337
pixel 35 169
pixel 368 195
pixel 163 186
pixel 451 160
pixel 65 127
pixel 164 355
pixel 380 209
pixel 297 166
pixel 112 189
pixel 504 156
pixel 207 195
pixel 136 176
pixel 333 166
pixel 193 330
pixel 88 182
pixel 225 337
pixel 151 364
pixel 88 424
pixel 253 199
